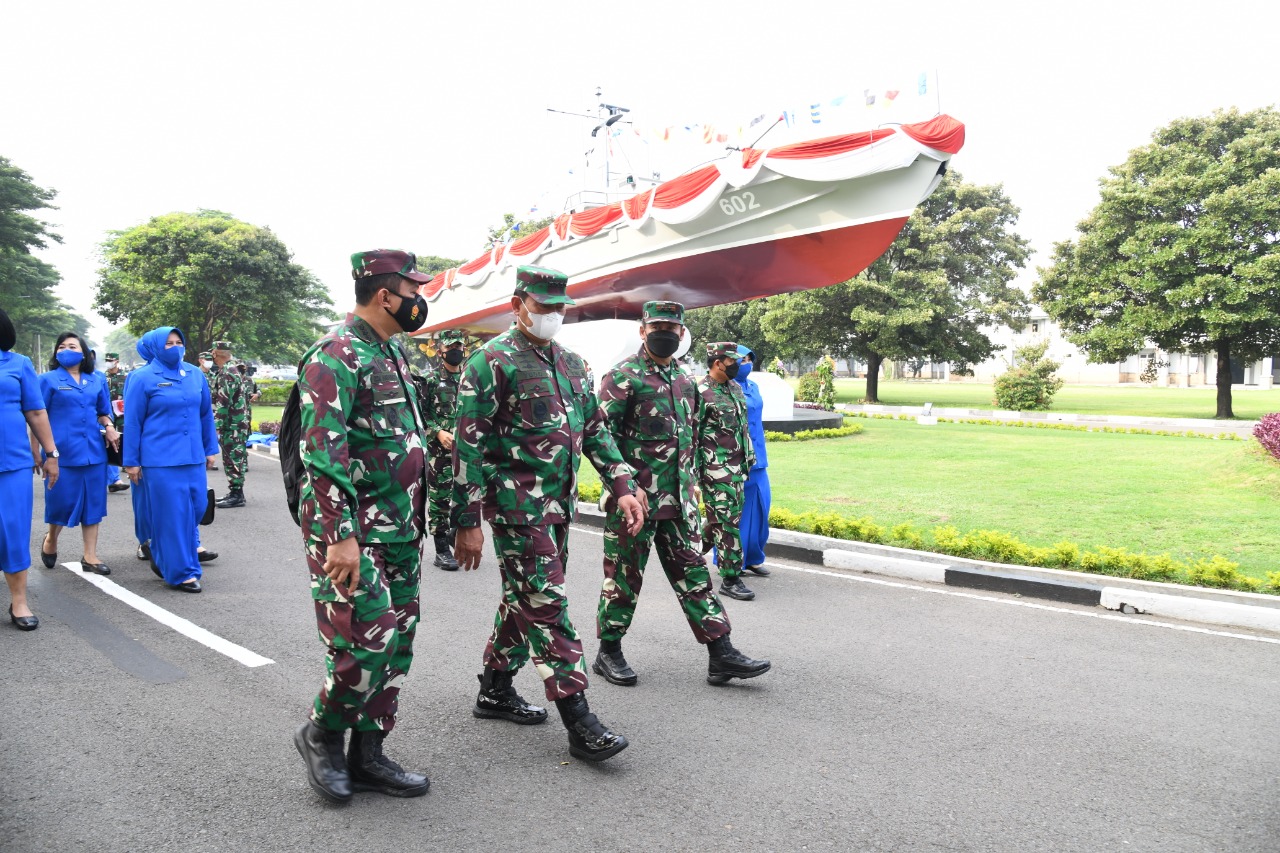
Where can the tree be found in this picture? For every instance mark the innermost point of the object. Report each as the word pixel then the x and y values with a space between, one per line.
pixel 944 281
pixel 216 278
pixel 1182 250
pixel 736 321
pixel 119 340
pixel 511 229
pixel 26 282
pixel 1029 384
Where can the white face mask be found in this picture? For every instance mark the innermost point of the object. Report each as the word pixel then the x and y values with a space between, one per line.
pixel 544 326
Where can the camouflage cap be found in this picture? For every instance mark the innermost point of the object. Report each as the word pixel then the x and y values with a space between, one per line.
pixel 666 312
pixel 112 356
pixel 723 349
pixel 206 356
pixel 380 261
pixel 222 345
pixel 546 286
pixel 452 336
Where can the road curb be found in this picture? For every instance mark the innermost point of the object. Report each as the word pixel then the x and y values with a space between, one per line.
pixel 1191 603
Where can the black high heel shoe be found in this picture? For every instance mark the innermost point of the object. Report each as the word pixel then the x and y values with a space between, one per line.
pixel 24 623
pixel 49 560
pixel 97 568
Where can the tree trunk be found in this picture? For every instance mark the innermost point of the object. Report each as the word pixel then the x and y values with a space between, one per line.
pixel 873 378
pixel 1224 380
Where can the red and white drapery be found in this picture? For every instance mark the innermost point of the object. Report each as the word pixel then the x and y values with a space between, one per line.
pixel 683 199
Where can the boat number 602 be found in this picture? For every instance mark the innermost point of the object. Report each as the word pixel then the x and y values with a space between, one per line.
pixel 740 203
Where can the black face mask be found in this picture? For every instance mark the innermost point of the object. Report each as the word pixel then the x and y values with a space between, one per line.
pixel 732 370
pixel 412 312
pixel 8 334
pixel 662 344
pixel 453 357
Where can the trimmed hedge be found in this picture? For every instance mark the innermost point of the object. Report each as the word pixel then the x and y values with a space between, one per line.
pixel 811 434
pixel 1190 433
pixel 1267 431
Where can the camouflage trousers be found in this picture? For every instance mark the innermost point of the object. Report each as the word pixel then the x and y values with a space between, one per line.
pixel 624 563
pixel 724 513
pixel 369 635
pixel 441 504
pixel 235 456
pixel 534 613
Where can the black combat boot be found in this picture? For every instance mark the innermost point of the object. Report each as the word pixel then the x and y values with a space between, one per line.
pixel 735 588
pixel 498 700
pixel 589 739
pixel 612 666
pixel 232 500
pixel 327 771
pixel 444 552
pixel 373 771
pixel 727 662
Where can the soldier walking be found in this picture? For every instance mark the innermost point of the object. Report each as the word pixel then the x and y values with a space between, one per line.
pixel 525 415
pixel 231 417
pixel 115 388
pixel 654 412
pixel 440 404
pixel 725 458
pixel 362 503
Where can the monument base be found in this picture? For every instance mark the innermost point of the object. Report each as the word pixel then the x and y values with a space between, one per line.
pixel 805 419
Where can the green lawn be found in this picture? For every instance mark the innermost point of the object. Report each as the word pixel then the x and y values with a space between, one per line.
pixel 266 413
pixel 1081 399
pixel 1190 498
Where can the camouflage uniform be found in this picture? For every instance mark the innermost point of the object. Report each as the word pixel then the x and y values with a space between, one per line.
pixel 525 415
pixel 654 412
pixel 439 390
pixel 365 461
pixel 725 457
pixel 231 417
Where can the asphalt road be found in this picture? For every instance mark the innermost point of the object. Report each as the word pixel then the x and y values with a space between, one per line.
pixel 895 718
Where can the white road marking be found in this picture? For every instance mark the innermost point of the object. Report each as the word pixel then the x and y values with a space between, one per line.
pixel 183 626
pixel 1110 617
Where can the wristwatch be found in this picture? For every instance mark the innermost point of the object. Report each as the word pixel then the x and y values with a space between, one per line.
pixel 52 454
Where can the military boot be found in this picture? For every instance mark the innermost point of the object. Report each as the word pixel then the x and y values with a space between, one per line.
pixel 589 739
pixel 327 770
pixel 498 700
pixel 612 666
pixel 444 552
pixel 373 771
pixel 232 500
pixel 727 662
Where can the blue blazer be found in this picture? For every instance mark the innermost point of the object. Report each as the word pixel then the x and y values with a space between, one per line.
pixel 74 409
pixel 168 417
pixel 755 422
pixel 19 393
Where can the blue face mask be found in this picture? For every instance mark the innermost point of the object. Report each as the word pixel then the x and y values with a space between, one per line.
pixel 744 370
pixel 69 358
pixel 171 356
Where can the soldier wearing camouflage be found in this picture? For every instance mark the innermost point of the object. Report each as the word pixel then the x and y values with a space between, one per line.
pixel 725 458
pixel 115 388
pixel 362 507
pixel 231 417
pixel 525 415
pixel 440 403
pixel 654 410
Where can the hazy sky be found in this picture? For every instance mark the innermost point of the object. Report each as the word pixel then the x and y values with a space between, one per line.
pixel 347 126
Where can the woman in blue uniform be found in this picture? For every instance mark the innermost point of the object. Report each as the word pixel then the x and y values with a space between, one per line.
pixel 754 526
pixel 169 442
pixel 79 407
pixel 20 407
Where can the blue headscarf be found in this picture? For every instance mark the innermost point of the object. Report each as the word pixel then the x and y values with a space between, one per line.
pixel 150 344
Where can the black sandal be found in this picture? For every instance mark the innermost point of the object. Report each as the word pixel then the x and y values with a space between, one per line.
pixel 97 568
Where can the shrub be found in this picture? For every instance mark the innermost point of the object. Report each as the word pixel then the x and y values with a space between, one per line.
pixel 269 427
pixel 1273 582
pixel 777 368
pixel 1216 571
pixel 826 371
pixel 589 492
pixel 905 535
pixel 808 389
pixel 1267 432
pixel 1029 384
pixel 273 392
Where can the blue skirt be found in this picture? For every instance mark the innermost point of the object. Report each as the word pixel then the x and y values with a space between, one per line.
pixel 79 496
pixel 754 526
pixel 141 515
pixel 176 500
pixel 15 520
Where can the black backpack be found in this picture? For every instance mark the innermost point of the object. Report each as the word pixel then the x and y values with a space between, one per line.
pixel 289 443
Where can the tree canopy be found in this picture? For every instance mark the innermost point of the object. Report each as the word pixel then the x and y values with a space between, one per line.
pixel 1182 250
pixel 26 282
pixel 737 321
pixel 216 278
pixel 946 279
